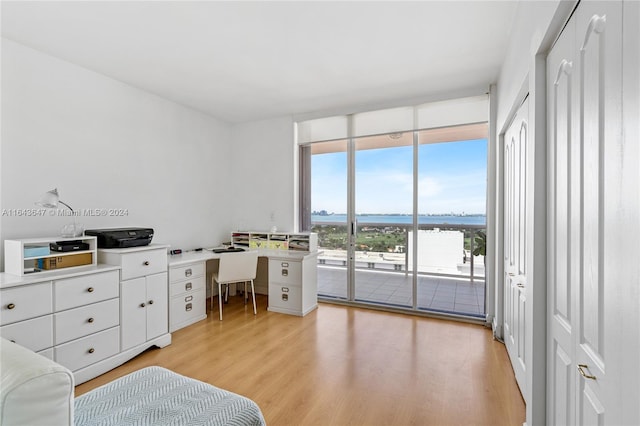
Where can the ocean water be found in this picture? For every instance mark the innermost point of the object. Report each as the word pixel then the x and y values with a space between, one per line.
pixel 403 219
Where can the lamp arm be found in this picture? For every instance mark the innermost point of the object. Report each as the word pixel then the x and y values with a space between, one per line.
pixel 67 205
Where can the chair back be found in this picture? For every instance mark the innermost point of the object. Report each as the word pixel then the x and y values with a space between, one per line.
pixel 238 267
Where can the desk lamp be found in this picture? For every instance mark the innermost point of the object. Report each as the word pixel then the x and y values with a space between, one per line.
pixel 50 200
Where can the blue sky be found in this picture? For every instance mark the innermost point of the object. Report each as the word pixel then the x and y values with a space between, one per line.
pixel 451 176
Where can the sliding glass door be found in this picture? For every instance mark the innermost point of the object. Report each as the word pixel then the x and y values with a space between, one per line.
pixel 383 194
pixel 452 197
pixel 375 198
pixel 400 215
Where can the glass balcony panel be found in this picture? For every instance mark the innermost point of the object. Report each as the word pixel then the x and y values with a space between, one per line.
pixel 328 217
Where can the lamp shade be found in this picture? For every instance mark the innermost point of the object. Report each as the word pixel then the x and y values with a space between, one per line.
pixel 49 199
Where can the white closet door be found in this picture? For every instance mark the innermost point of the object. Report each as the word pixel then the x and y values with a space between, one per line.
pixel 588 198
pixel 515 242
pixel 598 36
pixel 563 228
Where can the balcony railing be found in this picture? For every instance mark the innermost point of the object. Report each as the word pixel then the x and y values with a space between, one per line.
pixel 443 249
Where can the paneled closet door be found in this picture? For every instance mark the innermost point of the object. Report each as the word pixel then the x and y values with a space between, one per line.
pixel 584 111
pixel 563 201
pixel 599 38
pixel 515 242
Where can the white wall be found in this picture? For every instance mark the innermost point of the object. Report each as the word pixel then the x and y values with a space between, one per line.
pixel 105 144
pixel 530 28
pixel 263 156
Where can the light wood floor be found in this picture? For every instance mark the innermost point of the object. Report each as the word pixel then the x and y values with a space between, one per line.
pixel 345 366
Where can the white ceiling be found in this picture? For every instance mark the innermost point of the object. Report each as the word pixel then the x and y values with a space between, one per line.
pixel 243 61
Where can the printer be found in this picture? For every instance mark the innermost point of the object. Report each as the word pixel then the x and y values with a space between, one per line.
pixel 121 237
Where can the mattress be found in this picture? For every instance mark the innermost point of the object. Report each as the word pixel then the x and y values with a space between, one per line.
pixel 157 396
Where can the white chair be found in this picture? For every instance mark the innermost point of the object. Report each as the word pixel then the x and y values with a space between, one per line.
pixel 235 268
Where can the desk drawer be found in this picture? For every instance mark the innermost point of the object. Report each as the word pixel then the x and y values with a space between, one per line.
pixel 187 306
pixel 35 334
pixel 141 263
pixel 79 291
pixel 180 273
pixel 285 297
pixel 285 272
pixel 86 320
pixel 24 302
pixel 186 286
pixel 88 350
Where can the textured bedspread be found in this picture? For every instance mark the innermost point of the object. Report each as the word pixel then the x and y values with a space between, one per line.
pixel 157 396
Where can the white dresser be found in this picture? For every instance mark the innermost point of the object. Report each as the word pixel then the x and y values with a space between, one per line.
pixel 72 317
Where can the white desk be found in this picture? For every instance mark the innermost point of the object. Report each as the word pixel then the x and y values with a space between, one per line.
pixel 288 277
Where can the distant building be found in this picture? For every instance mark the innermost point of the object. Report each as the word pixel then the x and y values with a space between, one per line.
pixel 438 251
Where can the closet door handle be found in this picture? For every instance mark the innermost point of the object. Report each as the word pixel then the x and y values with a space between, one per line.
pixel 564 68
pixel 583 374
pixel 596 25
pixel 11 306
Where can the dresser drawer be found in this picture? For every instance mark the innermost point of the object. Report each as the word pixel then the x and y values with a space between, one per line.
pixel 187 307
pixel 79 291
pixel 285 297
pixel 86 320
pixel 47 353
pixel 24 302
pixel 186 286
pixel 35 334
pixel 285 272
pixel 88 350
pixel 180 273
pixel 141 263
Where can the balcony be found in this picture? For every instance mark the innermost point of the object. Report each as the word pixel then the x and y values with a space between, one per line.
pixel 449 279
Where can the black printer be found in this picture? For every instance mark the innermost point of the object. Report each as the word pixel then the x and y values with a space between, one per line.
pixel 121 237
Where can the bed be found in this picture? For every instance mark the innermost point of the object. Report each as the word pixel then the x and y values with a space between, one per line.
pixel 157 396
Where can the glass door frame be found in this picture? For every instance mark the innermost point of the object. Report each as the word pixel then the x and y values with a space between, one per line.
pixel 352 222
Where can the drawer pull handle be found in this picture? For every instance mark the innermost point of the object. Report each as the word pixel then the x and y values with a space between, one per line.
pixel 151 302
pixel 90 289
pixel 188 298
pixel 285 272
pixel 188 286
pixel 520 285
pixel 12 341
pixel 583 374
pixel 90 320
pixel 91 350
pixel 188 307
pixel 285 289
pixel 145 263
pixel 142 305
pixel 188 273
pixel 285 264
pixel 11 306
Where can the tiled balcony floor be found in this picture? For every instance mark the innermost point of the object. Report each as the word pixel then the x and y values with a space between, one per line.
pixel 444 294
